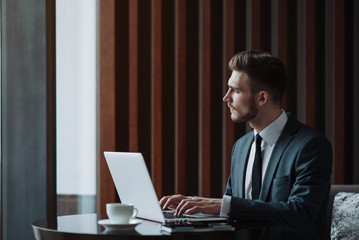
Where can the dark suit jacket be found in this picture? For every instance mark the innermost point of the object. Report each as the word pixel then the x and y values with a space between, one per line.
pixel 295 190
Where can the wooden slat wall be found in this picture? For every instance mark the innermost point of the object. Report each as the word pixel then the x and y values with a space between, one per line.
pixel 206 7
pixel 157 89
pixel 229 49
pixel 311 84
pixel 133 75
pixel 339 92
pixel 168 99
pixel 163 73
pixel 107 108
pixel 343 91
pixel 180 95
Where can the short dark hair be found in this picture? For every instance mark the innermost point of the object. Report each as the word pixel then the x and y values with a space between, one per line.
pixel 265 72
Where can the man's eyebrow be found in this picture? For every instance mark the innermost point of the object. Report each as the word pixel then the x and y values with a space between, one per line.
pixel 233 87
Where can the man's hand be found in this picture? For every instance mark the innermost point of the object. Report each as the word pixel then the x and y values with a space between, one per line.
pixel 191 205
pixel 171 202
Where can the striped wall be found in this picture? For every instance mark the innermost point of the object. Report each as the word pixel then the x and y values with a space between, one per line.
pixel 163 73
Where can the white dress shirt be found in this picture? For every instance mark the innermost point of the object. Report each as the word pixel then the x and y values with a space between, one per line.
pixel 269 136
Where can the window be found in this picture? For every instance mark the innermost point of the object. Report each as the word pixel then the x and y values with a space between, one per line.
pixel 76 90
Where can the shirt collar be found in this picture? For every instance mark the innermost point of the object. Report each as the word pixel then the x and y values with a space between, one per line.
pixel 272 132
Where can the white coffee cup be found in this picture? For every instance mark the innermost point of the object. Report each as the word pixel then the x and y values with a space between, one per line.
pixel 119 213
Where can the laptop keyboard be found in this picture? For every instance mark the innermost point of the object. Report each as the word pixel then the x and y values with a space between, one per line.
pixel 170 215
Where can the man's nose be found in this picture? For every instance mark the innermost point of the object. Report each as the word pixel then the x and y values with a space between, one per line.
pixel 226 97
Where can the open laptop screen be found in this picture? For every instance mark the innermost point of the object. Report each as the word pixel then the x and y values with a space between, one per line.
pixel 134 186
pixel 133 183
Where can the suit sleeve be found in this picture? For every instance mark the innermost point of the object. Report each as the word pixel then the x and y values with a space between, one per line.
pixel 308 193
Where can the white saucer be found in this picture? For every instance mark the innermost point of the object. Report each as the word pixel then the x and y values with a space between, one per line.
pixel 127 226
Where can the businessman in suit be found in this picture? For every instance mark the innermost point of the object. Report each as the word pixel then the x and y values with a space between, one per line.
pixel 280 171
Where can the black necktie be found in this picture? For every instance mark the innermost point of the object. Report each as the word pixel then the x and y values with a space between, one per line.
pixel 257 169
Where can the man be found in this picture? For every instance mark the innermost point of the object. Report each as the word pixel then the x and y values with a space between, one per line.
pixel 281 176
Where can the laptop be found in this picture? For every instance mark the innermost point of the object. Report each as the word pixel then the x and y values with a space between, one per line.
pixel 134 186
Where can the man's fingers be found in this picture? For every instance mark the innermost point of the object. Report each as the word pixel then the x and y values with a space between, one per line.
pixel 182 207
pixel 171 201
pixel 186 204
pixel 193 210
pixel 196 205
pixel 190 205
pixel 207 209
pixel 163 201
pixel 172 207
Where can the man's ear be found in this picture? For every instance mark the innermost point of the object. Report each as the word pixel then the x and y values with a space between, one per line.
pixel 263 97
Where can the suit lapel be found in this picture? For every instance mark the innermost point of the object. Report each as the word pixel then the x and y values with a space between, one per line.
pixel 282 143
pixel 242 166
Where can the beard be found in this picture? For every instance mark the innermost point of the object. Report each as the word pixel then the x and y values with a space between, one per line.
pixel 238 117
